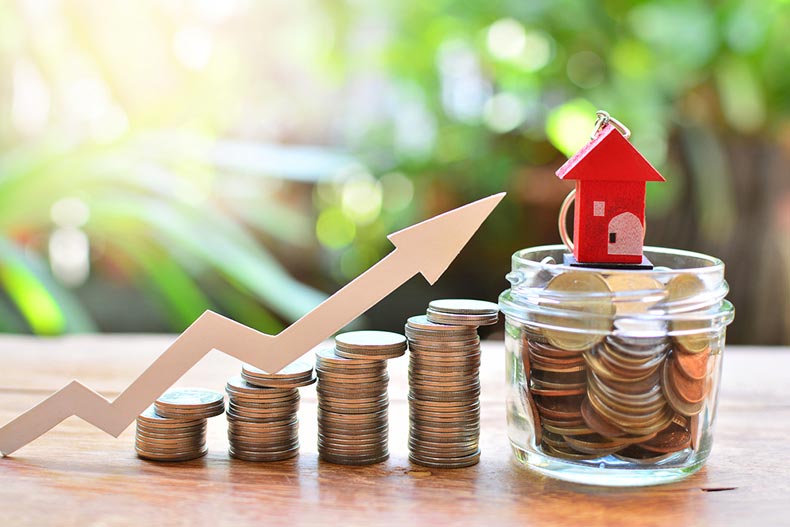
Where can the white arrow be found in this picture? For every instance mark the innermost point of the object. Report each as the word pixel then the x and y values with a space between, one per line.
pixel 427 248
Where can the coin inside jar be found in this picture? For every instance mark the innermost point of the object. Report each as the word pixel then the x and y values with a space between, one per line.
pixel 579 323
pixel 682 292
pixel 634 292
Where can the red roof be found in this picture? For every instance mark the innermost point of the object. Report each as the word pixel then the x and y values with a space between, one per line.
pixel 609 157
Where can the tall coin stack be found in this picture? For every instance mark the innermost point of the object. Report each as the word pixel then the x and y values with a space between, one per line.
pixel 353 415
pixel 262 412
pixel 444 382
pixel 174 427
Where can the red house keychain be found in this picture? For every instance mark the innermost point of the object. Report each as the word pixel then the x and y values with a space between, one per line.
pixel 609 218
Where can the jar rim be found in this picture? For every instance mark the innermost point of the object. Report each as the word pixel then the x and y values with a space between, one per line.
pixel 594 309
pixel 714 264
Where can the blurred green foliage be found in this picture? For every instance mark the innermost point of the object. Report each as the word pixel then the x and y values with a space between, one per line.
pixel 159 140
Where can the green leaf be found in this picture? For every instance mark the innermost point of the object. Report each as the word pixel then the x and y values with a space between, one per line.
pixel 48 308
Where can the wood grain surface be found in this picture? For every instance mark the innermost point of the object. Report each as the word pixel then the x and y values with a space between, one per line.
pixel 76 475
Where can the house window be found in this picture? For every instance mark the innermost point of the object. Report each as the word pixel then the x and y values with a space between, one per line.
pixel 599 208
pixel 612 237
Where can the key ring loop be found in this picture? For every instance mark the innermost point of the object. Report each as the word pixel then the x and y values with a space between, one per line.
pixel 602 118
pixel 563 223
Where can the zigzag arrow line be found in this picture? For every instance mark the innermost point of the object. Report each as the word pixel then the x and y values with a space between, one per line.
pixel 427 248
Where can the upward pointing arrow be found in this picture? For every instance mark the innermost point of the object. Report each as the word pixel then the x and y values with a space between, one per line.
pixel 427 248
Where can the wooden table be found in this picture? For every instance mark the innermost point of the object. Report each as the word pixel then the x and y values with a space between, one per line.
pixel 76 475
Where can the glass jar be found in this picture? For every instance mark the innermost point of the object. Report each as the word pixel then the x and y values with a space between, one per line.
pixel 614 374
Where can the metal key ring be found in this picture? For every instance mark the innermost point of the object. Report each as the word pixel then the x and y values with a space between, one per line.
pixel 603 118
pixel 563 223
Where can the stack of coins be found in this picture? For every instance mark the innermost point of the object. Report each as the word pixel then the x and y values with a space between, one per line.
pixel 353 416
pixel 262 412
pixel 444 382
pixel 174 427
pixel 556 390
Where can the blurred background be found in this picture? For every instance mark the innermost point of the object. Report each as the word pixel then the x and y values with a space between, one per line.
pixel 161 157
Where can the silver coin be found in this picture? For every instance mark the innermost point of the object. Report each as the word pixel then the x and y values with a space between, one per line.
pixel 370 340
pixel 461 320
pixel 376 354
pixel 444 345
pixel 237 386
pixel 263 457
pixel 464 306
pixel 297 370
pixel 188 398
pixel 186 456
pixel 421 323
pixel 278 383
pixel 328 356
pixel 151 417
pixel 354 460
pixel 431 462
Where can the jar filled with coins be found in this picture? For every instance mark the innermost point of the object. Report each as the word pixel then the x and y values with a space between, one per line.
pixel 613 374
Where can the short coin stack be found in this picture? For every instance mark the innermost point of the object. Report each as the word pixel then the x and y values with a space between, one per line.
pixel 174 427
pixel 444 382
pixel 353 406
pixel 262 412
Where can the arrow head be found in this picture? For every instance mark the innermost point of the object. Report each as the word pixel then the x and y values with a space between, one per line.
pixel 433 244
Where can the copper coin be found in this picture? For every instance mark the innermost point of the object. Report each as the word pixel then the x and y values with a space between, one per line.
pixel 551 377
pixel 637 454
pixel 671 439
pixel 596 444
pixel 559 407
pixel 548 350
pixel 691 392
pixel 552 392
pixel 597 422
pixel 693 366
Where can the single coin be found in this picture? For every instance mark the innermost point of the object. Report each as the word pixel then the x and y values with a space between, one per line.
pixel 296 370
pixel 637 454
pixel 379 354
pixel 690 391
pixel 582 292
pixel 171 457
pixel 327 356
pixel 238 387
pixel 568 430
pixel 370 341
pixel 433 462
pixel 634 292
pixel 675 400
pixel 683 292
pixel 597 422
pixel 421 322
pixel 152 418
pixel 461 320
pixel 671 439
pixel 263 457
pixel 353 460
pixel 192 414
pixel 564 453
pixel 596 444
pixel 189 398
pixel 694 366
pixel 464 306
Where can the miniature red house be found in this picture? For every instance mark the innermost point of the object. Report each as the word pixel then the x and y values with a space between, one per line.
pixel 609 214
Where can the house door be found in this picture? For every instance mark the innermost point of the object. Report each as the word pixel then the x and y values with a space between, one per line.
pixel 625 235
